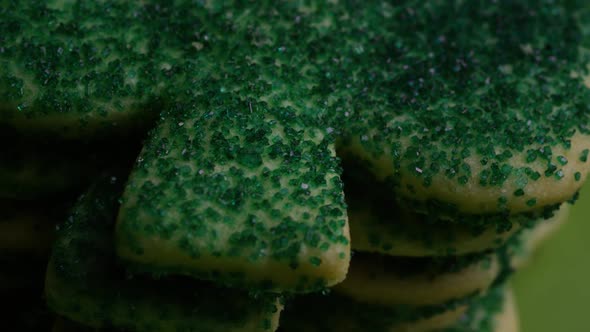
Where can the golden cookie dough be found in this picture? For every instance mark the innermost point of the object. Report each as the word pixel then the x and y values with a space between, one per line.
pixel 507 320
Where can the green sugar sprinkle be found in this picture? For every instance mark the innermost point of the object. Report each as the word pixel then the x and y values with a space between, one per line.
pixel 559 175
pixel 584 155
pixel 316 261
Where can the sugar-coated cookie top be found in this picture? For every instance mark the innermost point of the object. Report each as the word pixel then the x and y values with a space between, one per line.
pixel 77 67
pixel 480 105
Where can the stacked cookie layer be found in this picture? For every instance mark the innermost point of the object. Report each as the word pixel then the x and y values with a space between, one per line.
pixel 86 283
pixel 412 272
pixel 44 162
pixel 40 177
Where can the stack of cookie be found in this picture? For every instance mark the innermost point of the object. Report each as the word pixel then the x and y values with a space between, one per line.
pixel 39 177
pixel 415 272
pixel 58 129
pixel 458 123
pixel 87 284
pixel 452 149
pixel 83 76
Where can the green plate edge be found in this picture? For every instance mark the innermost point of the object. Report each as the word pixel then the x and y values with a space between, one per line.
pixel 553 291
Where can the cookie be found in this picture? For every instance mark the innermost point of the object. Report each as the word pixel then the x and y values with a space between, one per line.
pixel 396 281
pixel 337 313
pixel 81 70
pixel 435 323
pixel 28 174
pixel 247 199
pixel 26 229
pixel 37 168
pixel 380 224
pixel 86 284
pixel 403 233
pixel 456 113
pixel 507 320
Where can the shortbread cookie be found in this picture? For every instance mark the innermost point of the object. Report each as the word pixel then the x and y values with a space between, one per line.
pixel 27 231
pixel 73 69
pixel 480 110
pixel 26 228
pixel 332 312
pixel 435 323
pixel 403 233
pixel 32 171
pixel 86 284
pixel 508 320
pixel 21 274
pixel 379 224
pixel 248 199
pixel 37 168
pixel 390 281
